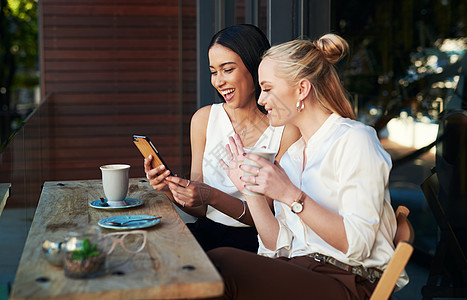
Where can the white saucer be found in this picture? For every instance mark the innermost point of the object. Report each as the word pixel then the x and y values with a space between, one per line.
pixel 132 225
pixel 130 202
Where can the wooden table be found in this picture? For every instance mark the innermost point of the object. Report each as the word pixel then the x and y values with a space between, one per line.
pixel 172 266
pixel 5 189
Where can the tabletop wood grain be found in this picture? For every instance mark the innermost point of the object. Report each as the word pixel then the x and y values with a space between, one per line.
pixel 172 266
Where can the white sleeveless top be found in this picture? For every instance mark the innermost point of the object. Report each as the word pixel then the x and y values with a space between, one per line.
pixel 218 131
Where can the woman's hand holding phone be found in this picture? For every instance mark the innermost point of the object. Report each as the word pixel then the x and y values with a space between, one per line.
pixel 184 192
pixel 157 175
pixel 160 179
pixel 189 193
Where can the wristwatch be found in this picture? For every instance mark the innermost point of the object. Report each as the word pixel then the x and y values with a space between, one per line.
pixel 297 205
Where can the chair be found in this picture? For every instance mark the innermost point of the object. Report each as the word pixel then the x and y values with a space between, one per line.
pixel 403 239
pixel 447 272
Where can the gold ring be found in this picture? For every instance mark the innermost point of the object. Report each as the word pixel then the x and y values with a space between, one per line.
pixel 187 185
pixel 257 171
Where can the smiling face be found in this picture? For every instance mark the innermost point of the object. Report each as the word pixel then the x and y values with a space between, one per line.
pixel 277 95
pixel 230 77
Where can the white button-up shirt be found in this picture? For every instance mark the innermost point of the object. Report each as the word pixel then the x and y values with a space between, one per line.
pixel 346 171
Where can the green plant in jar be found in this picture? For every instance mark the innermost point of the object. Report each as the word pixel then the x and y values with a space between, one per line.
pixel 86 261
pixel 87 250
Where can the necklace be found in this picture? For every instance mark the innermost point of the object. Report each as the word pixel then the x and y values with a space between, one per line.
pixel 244 131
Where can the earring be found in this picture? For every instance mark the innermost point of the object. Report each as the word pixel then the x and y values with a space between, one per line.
pixel 300 105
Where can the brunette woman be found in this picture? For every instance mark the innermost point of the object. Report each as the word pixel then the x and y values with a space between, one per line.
pixel 223 215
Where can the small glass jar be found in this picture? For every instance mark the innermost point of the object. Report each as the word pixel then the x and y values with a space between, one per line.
pixel 54 252
pixel 85 256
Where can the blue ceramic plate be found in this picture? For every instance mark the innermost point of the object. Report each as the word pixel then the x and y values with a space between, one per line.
pixel 132 225
pixel 130 202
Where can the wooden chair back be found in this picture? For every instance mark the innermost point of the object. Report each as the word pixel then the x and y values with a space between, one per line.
pixel 404 232
pixel 404 236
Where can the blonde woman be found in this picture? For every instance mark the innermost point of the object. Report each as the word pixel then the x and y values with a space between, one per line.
pixel 331 233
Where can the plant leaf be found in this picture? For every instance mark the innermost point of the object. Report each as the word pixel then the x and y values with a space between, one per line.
pixel 87 250
pixel 86 244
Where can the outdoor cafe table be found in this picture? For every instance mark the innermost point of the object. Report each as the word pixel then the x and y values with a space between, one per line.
pixel 171 266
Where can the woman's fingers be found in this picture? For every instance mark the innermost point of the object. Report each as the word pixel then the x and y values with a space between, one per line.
pixel 224 165
pixel 179 181
pixel 250 179
pixel 182 195
pixel 147 163
pixel 157 173
pixel 254 188
pixel 250 169
pixel 158 182
pixel 159 186
pixel 261 161
pixel 228 152
pixel 239 143
pixel 178 196
pixel 233 146
pixel 157 176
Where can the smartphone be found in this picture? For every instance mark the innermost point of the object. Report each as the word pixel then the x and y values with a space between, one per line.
pixel 146 147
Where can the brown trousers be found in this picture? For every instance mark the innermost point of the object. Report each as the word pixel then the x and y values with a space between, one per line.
pixel 250 276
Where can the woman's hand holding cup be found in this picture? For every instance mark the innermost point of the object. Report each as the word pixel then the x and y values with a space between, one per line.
pixel 253 172
pixel 268 178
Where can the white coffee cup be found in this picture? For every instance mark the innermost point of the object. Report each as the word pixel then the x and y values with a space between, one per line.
pixel 263 152
pixel 115 181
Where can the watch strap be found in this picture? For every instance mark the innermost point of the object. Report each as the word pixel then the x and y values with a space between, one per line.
pixel 300 200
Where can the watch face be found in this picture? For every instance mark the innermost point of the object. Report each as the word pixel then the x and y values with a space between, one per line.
pixel 297 207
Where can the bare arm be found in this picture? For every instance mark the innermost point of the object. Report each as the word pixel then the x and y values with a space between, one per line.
pixel 265 222
pixel 197 195
pixel 199 123
pixel 262 207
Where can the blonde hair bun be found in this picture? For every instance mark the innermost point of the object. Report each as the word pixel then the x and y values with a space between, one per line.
pixel 332 46
pixel 314 61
